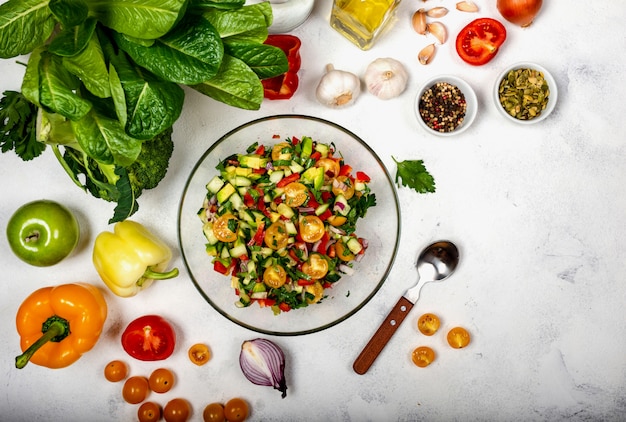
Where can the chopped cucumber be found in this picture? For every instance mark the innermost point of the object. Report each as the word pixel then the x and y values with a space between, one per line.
pixel 354 245
pixel 215 184
pixel 225 192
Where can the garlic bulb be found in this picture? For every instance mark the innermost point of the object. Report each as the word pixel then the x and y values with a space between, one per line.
pixel 386 78
pixel 338 88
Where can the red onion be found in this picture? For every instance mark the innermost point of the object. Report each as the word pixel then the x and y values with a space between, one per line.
pixel 519 12
pixel 263 363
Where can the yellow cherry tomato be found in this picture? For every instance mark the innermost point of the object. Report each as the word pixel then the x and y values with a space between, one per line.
pixel 236 410
pixel 342 185
pixel 161 380
pixel 276 236
pixel 311 228
pixel 331 167
pixel 149 412
pixel 423 356
pixel 316 266
pixel 199 354
pixel 458 337
pixel 225 228
pixel 177 410
pixel 214 412
pixel 135 389
pixel 295 194
pixel 275 276
pixel 317 290
pixel 115 371
pixel 343 252
pixel 428 324
pixel 336 220
pixel 281 151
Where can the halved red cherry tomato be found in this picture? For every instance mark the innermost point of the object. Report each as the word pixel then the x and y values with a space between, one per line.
pixel 478 42
pixel 149 338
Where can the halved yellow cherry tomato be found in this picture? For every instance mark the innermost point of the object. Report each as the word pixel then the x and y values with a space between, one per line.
pixel 343 252
pixel 295 194
pixel 331 167
pixel 279 153
pixel 423 356
pixel 274 276
pixel 317 290
pixel 276 236
pixel 223 228
pixel 199 354
pixel 336 220
pixel 342 185
pixel 428 324
pixel 311 228
pixel 458 337
pixel 316 266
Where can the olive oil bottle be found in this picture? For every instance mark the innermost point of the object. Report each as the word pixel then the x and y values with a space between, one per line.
pixel 362 21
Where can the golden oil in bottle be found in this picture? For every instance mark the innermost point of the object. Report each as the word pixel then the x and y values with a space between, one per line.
pixel 362 21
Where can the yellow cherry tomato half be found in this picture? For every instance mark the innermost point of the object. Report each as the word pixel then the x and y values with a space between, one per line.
pixel 161 380
pixel 177 410
pixel 316 290
pixel 336 220
pixel 275 276
pixel 342 185
pixel 135 389
pixel 199 354
pixel 330 166
pixel 225 228
pixel 343 252
pixel 311 228
pixel 213 412
pixel 281 151
pixel 236 410
pixel 428 324
pixel 458 337
pixel 295 194
pixel 316 266
pixel 115 371
pixel 149 412
pixel 276 236
pixel 423 356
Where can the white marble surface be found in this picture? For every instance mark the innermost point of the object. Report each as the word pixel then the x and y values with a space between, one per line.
pixel 538 213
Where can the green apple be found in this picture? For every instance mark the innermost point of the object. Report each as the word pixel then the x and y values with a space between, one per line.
pixel 43 233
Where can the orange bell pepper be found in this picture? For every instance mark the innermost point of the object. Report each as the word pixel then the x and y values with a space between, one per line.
pixel 70 317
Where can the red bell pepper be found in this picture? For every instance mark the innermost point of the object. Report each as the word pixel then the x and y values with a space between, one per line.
pixel 283 87
pixel 362 177
pixel 286 180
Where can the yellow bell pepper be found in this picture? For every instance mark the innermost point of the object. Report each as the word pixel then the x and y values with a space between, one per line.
pixel 131 258
pixel 58 324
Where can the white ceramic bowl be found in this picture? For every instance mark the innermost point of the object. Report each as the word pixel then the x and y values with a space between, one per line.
pixel 552 99
pixel 470 99
pixel 380 226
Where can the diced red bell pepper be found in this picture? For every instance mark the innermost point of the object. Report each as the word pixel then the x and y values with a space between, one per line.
pixel 316 155
pixel 305 282
pixel 283 87
pixel 325 215
pixel 266 302
pixel 219 267
pixel 295 141
pixel 248 200
pixel 260 150
pixel 345 170
pixel 259 235
pixel 362 177
pixel 284 307
pixel 286 180
pixel 327 196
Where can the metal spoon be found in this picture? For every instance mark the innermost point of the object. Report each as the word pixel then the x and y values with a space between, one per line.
pixel 435 263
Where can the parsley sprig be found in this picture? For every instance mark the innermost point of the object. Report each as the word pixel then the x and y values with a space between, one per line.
pixel 413 174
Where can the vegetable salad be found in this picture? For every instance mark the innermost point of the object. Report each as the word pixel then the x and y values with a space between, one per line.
pixel 281 221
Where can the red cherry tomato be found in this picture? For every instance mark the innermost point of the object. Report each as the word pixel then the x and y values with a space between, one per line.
pixel 149 338
pixel 479 41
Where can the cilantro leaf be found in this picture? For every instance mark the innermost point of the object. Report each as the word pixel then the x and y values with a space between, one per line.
pixel 18 121
pixel 414 175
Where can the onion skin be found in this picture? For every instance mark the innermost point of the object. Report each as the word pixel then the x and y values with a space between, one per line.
pixel 263 363
pixel 519 12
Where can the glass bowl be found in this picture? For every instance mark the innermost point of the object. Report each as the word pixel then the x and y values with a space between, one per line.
pixel 553 93
pixel 470 100
pixel 380 226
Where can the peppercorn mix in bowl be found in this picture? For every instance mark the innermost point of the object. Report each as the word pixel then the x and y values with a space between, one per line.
pixel 445 105
pixel 525 93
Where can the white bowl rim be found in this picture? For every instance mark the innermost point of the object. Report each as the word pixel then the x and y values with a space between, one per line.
pixel 551 84
pixel 470 99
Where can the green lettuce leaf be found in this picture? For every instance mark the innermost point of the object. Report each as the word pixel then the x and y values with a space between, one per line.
pixel 24 25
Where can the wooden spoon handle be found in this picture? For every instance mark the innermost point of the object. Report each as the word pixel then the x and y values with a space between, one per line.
pixel 382 336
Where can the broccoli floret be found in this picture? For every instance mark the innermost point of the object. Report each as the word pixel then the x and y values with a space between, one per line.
pixel 151 165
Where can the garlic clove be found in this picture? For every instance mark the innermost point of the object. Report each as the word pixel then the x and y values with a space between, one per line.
pixel 438 30
pixel 467 6
pixel 426 54
pixel 419 22
pixel 437 12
